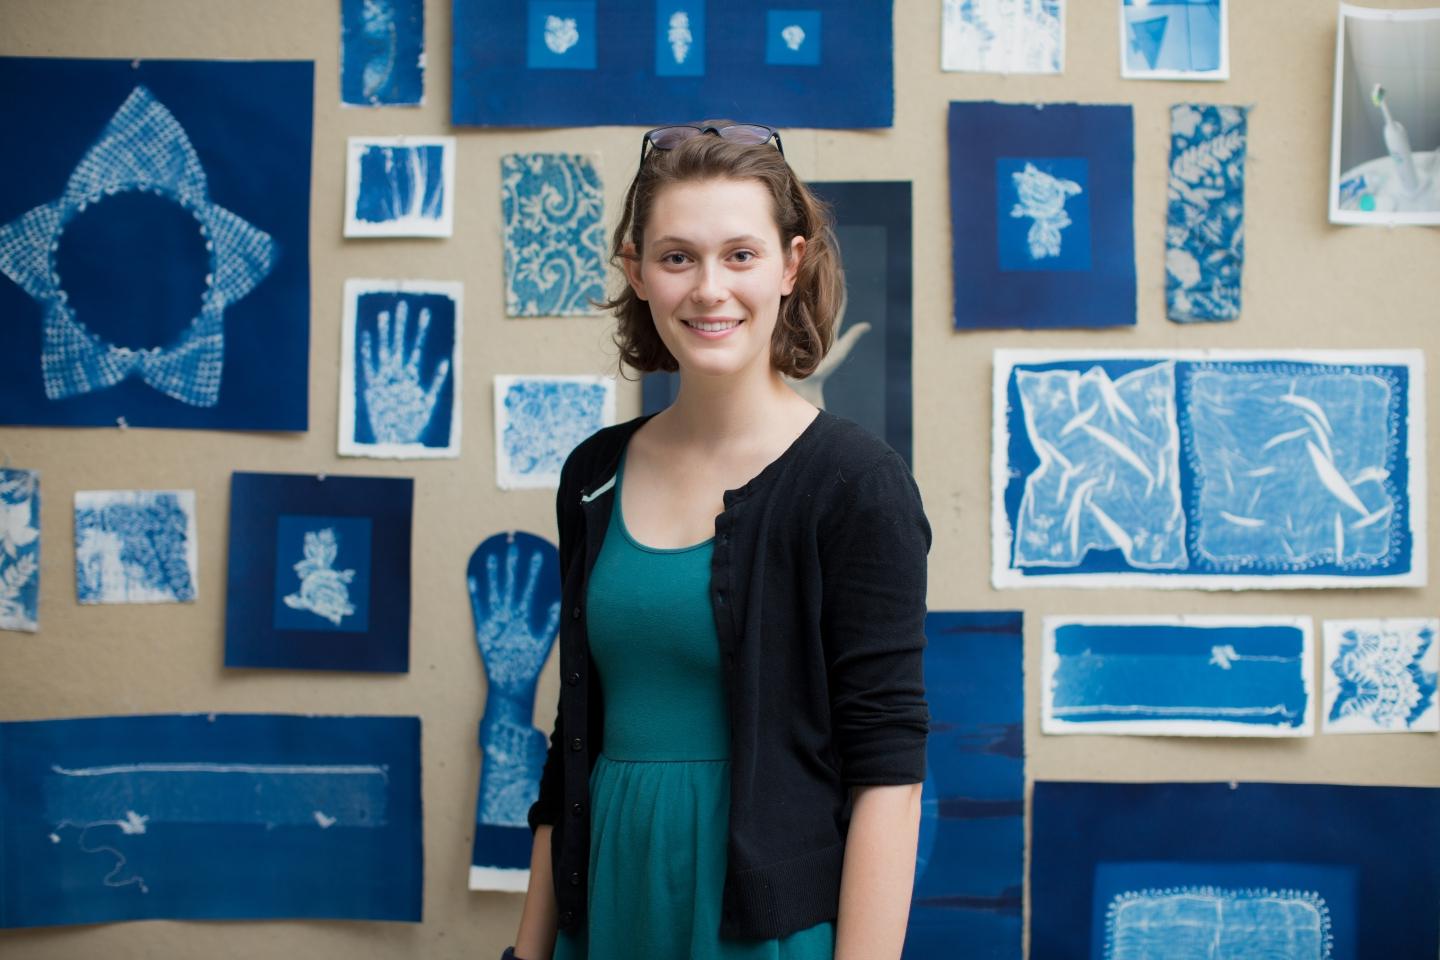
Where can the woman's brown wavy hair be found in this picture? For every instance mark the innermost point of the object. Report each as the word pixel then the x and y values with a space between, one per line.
pixel 805 328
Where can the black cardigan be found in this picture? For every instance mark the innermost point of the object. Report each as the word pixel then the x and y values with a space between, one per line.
pixel 818 588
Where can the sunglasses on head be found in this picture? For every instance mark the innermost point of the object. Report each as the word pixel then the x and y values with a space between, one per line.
pixel 668 138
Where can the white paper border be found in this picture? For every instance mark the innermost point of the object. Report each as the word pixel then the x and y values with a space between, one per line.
pixel 505 476
pixel 1064 6
pixel 503 879
pixel 355 227
pixel 1223 73
pixel 1428 722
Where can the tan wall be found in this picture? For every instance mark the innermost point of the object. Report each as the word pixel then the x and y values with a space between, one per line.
pixel 1307 285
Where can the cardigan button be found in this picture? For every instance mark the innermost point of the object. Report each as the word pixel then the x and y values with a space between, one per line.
pixel 575 612
pixel 567 918
pixel 574 879
pixel 576 809
pixel 576 744
pixel 572 679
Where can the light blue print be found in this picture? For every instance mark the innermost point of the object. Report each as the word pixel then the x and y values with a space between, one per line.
pixel 19 549
pixel 1003 36
pixel 553 211
pixel 1205 236
pixel 1042 199
pixel 680 38
pixel 324 590
pixel 1382 680
pixel 143 148
pixel 398 405
pixel 401 185
pixel 1218 923
pixel 543 421
pixel 1290 467
pixel 382 52
pixel 135 546
pixel 1109 468
pixel 792 38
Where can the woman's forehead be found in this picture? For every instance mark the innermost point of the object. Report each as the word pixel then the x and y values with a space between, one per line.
pixel 713 209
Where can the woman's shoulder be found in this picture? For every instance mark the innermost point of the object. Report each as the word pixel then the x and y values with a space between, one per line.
pixel 597 453
pixel 843 448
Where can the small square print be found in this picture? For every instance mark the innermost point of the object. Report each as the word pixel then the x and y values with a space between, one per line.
pixel 540 419
pixel 792 38
pixel 322 573
pixel 135 546
pixel 1042 213
pixel 680 38
pixel 561 35
pixel 1380 676
pixel 400 187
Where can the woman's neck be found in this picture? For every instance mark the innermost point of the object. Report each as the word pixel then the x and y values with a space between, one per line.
pixel 720 411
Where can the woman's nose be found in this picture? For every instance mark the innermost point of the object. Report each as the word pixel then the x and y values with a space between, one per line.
pixel 709 285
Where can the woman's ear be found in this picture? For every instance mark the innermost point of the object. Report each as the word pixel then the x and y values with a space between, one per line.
pixel 793 256
pixel 630 257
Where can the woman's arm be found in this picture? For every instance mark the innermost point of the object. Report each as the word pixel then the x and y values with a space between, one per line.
pixel 879 872
pixel 539 920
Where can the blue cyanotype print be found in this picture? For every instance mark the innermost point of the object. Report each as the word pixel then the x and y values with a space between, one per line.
pixel 1205 234
pixel 969 870
pixel 1042 213
pixel 135 546
pixel 554 214
pixel 514 584
pixel 1192 676
pixel 400 187
pixel 648 62
pixel 539 420
pixel 322 573
pixel 164 280
pixel 382 52
pixel 1173 39
pixel 1380 676
pixel 210 817
pixel 19 549
pixel 1003 36
pixel 319 572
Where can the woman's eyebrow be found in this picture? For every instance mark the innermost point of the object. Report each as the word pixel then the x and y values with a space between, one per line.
pixel 743 238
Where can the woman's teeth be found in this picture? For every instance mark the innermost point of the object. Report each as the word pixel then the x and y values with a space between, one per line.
pixel 708 326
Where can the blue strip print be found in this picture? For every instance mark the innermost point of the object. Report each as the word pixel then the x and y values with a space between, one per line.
pixel 1205 233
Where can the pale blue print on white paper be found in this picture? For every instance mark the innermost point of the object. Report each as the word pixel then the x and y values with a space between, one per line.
pixel 1381 676
pixel 135 546
pixel 324 590
pixel 1218 923
pixel 143 148
pixel 539 420
pixel 400 187
pixel 1109 468
pixel 1205 232
pixel 553 211
pixel 1002 36
pixel 1290 467
pixel 19 549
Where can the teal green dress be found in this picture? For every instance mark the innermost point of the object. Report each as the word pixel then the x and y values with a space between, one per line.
pixel 660 789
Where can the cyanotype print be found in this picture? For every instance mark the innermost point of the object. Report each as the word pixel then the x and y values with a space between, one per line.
pixel 1041 205
pixel 1205 233
pixel 135 546
pixel 382 53
pixel 19 549
pixel 319 572
pixel 514 584
pixel 210 817
pixel 400 187
pixel 569 63
pixel 400 371
pixel 969 866
pixel 158 288
pixel 540 419
pixel 1216 469
pixel 1203 676
pixel 554 213
pixel 1003 36
pixel 1380 676
pixel 1175 39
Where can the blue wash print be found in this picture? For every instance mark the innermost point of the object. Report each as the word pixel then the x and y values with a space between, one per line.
pixel 142 148
pixel 400 395
pixel 680 38
pixel 1205 235
pixel 561 35
pixel 19 549
pixel 1109 474
pixel 1042 213
pixel 1291 465
pixel 792 38
pixel 545 420
pixel 1149 674
pixel 1218 923
pixel 1003 36
pixel 553 208
pixel 1172 35
pixel 1380 669
pixel 382 52
pixel 135 546
pixel 322 573
pixel 400 184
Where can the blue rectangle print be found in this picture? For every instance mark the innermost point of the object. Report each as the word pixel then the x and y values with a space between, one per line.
pixel 554 216
pixel 561 35
pixel 792 38
pixel 1042 213
pixel 1174 38
pixel 1205 233
pixel 404 348
pixel 19 549
pixel 680 38
pixel 210 817
pixel 382 52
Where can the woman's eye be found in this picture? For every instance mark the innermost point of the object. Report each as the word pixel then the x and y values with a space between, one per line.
pixel 744 256
pixel 673 259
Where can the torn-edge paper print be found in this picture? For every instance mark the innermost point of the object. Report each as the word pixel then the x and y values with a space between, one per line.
pixel 1003 36
pixel 400 375
pixel 1209 469
pixel 553 208
pixel 1175 39
pixel 1380 676
pixel 514 584
pixel 1198 676
pixel 19 549
pixel 400 187
pixel 1205 233
pixel 210 817
pixel 382 53
pixel 540 419
pixel 135 546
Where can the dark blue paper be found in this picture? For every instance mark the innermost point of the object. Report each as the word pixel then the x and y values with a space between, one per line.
pixel 319 575
pixel 551 63
pixel 178 293
pixel 1041 215
pixel 210 817
pixel 382 52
